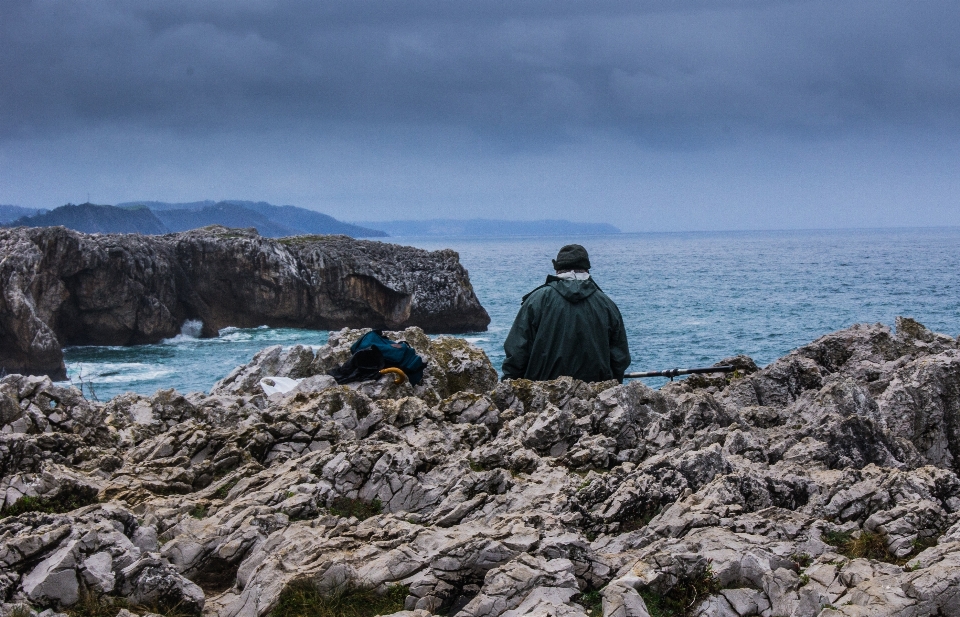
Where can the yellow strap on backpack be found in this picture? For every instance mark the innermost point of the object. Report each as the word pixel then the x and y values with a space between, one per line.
pixel 398 375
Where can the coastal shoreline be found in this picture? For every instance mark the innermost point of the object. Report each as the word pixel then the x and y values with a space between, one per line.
pixel 67 288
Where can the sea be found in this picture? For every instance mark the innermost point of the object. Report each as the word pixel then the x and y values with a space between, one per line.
pixel 688 299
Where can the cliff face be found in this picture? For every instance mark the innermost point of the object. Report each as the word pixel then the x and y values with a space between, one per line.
pixel 823 485
pixel 61 287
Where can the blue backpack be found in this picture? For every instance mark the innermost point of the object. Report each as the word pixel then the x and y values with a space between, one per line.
pixel 399 355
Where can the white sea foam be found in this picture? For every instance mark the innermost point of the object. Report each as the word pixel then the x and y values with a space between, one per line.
pixel 116 372
pixel 235 334
pixel 191 328
pixel 189 331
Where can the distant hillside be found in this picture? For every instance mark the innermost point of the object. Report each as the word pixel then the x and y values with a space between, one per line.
pixel 283 220
pixel 12 213
pixel 311 222
pixel 489 227
pixel 92 218
pixel 227 215
pixel 162 205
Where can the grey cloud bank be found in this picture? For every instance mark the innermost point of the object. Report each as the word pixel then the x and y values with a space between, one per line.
pixel 650 115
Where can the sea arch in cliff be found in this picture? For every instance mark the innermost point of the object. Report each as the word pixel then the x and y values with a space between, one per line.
pixel 62 287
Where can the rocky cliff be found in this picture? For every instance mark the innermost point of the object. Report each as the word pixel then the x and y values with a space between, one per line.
pixel 824 484
pixel 61 287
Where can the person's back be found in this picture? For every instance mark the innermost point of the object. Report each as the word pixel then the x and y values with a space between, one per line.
pixel 567 326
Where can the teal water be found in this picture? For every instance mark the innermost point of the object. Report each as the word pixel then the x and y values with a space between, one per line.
pixel 185 362
pixel 687 298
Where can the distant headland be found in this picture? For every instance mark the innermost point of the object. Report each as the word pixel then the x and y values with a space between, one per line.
pixel 154 217
pixel 157 217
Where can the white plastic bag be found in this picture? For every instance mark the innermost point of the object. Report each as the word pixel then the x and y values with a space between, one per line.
pixel 273 385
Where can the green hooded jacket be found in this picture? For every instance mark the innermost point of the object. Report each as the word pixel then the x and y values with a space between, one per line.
pixel 567 327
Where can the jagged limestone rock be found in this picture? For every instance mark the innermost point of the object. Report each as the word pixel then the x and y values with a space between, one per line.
pixel 822 484
pixel 453 366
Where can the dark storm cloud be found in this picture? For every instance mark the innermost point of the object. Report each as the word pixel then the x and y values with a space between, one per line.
pixel 668 71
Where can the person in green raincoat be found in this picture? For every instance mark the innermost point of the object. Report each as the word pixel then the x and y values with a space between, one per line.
pixel 567 326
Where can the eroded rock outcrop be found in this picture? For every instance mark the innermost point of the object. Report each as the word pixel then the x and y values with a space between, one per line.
pixel 62 287
pixel 823 484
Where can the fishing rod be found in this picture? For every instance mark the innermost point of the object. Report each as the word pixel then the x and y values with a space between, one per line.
pixel 676 372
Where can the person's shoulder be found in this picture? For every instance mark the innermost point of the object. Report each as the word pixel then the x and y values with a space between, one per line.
pixel 602 297
pixel 599 293
pixel 536 293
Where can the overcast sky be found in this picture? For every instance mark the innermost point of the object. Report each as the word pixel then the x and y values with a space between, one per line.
pixel 652 115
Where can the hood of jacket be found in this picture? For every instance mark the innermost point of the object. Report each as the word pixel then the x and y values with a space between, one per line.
pixel 573 290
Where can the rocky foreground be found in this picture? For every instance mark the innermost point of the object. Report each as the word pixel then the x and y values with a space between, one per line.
pixel 60 287
pixel 824 484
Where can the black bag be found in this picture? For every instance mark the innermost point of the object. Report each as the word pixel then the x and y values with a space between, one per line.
pixel 363 365
pixel 373 352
